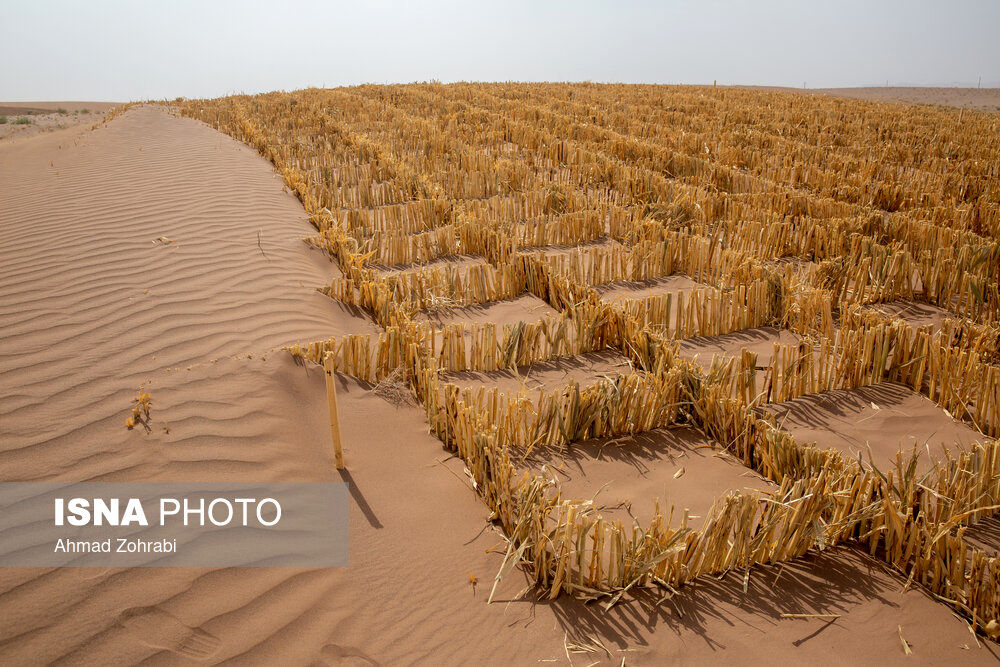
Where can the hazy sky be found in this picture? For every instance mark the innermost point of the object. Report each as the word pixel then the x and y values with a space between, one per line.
pixel 121 50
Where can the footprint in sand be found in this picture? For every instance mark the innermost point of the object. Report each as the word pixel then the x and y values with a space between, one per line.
pixel 334 654
pixel 157 629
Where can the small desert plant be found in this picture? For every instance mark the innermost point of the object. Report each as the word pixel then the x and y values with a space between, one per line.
pixel 85 110
pixel 23 120
pixel 140 411
pixel 62 111
pixel 3 120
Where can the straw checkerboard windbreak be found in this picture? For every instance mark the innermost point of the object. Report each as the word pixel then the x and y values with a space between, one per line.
pixel 639 219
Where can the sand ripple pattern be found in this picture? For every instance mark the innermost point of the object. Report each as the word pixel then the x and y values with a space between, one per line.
pixel 92 303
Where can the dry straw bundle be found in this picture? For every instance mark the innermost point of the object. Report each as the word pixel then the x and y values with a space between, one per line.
pixel 488 347
pixel 629 403
pixel 705 312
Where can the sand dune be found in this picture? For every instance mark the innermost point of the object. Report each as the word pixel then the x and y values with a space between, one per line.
pixel 92 305
pixel 145 245
pixel 417 533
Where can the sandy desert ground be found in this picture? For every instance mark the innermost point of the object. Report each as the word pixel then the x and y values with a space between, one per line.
pixel 38 117
pixel 983 99
pixel 156 252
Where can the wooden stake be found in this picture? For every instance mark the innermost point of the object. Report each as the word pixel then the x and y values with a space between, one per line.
pixel 331 396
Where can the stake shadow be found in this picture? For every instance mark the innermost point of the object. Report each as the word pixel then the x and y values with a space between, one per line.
pixel 359 498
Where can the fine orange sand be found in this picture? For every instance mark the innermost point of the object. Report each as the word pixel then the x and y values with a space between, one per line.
pixel 584 369
pixel 703 350
pixel 525 308
pixel 875 422
pixel 135 248
pixel 680 466
pixel 915 314
pixel 155 250
pixel 644 288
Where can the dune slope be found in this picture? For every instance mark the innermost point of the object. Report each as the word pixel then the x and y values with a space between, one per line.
pixel 153 242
